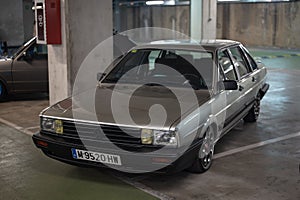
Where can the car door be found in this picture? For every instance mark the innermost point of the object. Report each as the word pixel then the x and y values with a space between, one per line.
pixel 30 69
pixel 246 80
pixel 256 74
pixel 227 72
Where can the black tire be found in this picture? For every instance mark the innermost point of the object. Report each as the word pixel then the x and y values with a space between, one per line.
pixel 253 114
pixel 204 162
pixel 3 93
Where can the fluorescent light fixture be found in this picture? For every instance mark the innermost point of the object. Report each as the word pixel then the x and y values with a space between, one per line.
pixel 151 3
pixel 170 2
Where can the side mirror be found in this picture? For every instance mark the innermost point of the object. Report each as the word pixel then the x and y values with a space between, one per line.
pixel 100 76
pixel 230 85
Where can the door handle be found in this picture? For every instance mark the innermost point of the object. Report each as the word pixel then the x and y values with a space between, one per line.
pixel 241 88
pixel 254 79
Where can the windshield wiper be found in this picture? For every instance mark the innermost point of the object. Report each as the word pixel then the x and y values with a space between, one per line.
pixel 110 80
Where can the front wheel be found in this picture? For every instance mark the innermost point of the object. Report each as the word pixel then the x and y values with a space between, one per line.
pixel 205 155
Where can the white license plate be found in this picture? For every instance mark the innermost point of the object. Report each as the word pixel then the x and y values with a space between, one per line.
pixel 96 157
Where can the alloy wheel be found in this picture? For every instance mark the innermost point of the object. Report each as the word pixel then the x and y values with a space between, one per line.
pixel 207 149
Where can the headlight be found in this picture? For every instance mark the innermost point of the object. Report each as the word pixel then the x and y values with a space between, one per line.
pixel 52 125
pixel 165 138
pixel 157 137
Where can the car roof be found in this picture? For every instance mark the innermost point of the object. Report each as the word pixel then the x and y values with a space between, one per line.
pixel 208 45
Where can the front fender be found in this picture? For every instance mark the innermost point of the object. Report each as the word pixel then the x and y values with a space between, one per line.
pixel 195 124
pixel 211 122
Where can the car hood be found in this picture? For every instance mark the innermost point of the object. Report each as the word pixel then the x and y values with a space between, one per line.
pixel 128 105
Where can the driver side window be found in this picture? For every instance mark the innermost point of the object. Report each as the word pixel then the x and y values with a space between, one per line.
pixel 37 52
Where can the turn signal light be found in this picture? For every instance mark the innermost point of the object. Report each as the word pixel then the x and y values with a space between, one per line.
pixel 42 143
pixel 161 160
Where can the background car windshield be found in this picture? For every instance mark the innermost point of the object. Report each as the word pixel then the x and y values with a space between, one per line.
pixel 177 68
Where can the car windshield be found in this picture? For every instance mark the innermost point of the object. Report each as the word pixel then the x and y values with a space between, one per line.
pixel 20 49
pixel 178 68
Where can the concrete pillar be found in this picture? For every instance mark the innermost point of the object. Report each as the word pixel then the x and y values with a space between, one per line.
pixel 85 24
pixel 58 68
pixel 196 19
pixel 203 19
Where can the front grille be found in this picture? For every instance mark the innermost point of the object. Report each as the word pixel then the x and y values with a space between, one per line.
pixel 115 134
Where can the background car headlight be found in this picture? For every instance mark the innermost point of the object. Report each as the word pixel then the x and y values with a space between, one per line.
pixel 52 125
pixel 168 138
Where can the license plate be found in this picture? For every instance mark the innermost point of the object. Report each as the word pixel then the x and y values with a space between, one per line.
pixel 96 157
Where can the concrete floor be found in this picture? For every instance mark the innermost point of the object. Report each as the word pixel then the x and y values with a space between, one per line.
pixel 27 174
pixel 248 163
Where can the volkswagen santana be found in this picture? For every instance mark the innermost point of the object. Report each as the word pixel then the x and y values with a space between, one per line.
pixel 162 107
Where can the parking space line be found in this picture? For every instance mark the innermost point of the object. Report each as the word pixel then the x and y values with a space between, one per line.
pixel 256 145
pixel 15 126
pixel 144 188
pixel 32 128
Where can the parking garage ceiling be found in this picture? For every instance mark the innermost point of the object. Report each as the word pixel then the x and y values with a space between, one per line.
pixel 180 2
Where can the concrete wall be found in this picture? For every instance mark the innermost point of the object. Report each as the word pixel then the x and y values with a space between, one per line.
pixel 255 24
pixel 11 22
pixel 28 19
pixel 16 21
pixel 172 17
pixel 260 24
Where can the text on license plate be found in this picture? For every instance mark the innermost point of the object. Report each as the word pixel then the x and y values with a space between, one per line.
pixel 96 157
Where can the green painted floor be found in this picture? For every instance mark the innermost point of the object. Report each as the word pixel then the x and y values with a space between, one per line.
pixel 289 60
pixel 25 173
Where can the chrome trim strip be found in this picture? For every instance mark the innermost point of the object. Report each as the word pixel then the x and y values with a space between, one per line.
pixel 105 123
pixel 239 97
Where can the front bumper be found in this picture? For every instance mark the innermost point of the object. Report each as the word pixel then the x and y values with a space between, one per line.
pixel 167 161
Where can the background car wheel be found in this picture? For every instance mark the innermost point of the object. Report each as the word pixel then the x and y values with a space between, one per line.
pixel 205 154
pixel 253 114
pixel 2 92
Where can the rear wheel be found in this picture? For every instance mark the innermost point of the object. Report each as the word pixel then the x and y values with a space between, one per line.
pixel 205 154
pixel 253 114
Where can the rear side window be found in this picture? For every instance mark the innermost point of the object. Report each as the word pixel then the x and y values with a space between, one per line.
pixel 240 61
pixel 226 64
pixel 250 58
